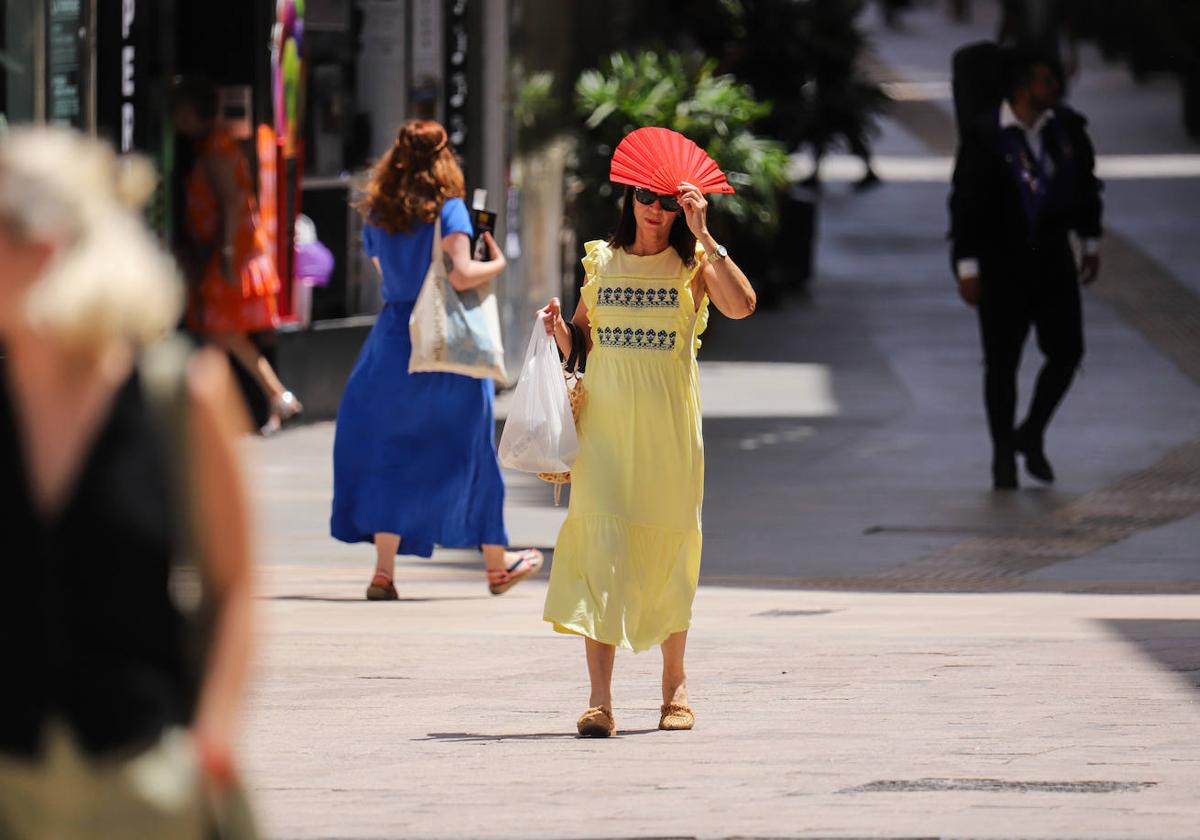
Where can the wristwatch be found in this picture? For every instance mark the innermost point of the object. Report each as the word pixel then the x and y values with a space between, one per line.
pixel 718 255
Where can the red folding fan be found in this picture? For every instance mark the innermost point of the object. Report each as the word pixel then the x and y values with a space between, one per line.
pixel 660 159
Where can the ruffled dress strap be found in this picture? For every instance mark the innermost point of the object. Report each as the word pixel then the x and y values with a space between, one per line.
pixel 701 313
pixel 597 255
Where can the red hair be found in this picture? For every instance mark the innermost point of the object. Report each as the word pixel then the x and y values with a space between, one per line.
pixel 412 181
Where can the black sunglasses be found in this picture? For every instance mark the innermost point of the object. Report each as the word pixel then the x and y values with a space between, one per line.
pixel 667 202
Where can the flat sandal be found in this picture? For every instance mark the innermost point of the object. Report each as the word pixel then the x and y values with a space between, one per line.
pixel 676 716
pixel 382 589
pixel 527 563
pixel 596 722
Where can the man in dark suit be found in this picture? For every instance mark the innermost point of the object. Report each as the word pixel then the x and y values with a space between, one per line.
pixel 1023 181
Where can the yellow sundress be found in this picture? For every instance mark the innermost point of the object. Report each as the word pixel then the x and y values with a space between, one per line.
pixel 628 555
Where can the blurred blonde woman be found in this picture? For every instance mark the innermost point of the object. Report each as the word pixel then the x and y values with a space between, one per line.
pixel 99 695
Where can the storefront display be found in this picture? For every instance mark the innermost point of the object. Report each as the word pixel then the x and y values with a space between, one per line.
pixel 20 54
pixel 66 63
pixel 313 91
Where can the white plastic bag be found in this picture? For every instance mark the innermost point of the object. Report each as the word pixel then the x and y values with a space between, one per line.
pixel 539 435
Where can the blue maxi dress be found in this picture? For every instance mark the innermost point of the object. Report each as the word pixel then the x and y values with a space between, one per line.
pixel 414 454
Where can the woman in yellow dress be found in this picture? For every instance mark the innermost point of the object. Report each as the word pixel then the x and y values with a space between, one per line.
pixel 628 556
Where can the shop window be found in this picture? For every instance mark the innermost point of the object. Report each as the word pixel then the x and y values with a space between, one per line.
pixel 17 62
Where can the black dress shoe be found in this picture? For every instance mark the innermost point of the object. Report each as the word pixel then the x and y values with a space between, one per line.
pixel 1036 463
pixel 1004 473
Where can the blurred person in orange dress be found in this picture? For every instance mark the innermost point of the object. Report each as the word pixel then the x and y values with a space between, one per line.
pixel 119 481
pixel 232 277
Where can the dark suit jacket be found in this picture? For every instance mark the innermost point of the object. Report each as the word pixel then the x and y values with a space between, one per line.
pixel 988 220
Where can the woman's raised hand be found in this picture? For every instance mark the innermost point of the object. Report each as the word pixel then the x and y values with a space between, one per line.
pixel 695 208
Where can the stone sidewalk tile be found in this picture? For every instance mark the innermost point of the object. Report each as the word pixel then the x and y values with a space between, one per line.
pixel 451 713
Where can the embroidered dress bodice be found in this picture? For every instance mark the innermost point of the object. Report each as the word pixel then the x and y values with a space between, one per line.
pixel 642 303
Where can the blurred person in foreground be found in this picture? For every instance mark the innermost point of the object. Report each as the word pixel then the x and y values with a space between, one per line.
pixel 109 724
pixel 232 278
pixel 1024 181
pixel 414 455
pixel 627 559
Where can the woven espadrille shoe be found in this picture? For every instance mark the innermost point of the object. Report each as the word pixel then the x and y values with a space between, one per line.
pixel 676 716
pixel 596 722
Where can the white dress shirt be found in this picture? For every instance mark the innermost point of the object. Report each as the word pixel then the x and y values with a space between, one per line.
pixel 1033 134
pixel 969 266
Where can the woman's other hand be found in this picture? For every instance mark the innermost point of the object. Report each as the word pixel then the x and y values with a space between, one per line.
pixel 496 258
pixel 695 209
pixel 552 319
pixel 465 272
pixel 551 316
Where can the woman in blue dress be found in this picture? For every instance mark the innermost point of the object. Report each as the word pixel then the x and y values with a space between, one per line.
pixel 414 457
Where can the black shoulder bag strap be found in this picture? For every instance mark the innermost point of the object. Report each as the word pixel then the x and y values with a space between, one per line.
pixel 577 361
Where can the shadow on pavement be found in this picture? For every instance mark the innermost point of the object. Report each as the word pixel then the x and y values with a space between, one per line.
pixel 347 599
pixel 1173 643
pixel 474 564
pixel 467 737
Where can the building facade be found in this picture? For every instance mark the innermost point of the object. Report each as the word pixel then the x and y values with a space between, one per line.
pixel 105 67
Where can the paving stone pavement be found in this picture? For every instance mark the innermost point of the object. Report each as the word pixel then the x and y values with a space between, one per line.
pixel 820 714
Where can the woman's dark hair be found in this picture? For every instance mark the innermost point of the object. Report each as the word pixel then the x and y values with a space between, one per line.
pixel 681 239
pixel 413 179
pixel 198 92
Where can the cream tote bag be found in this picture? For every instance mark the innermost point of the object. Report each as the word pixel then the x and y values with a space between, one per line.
pixel 453 331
